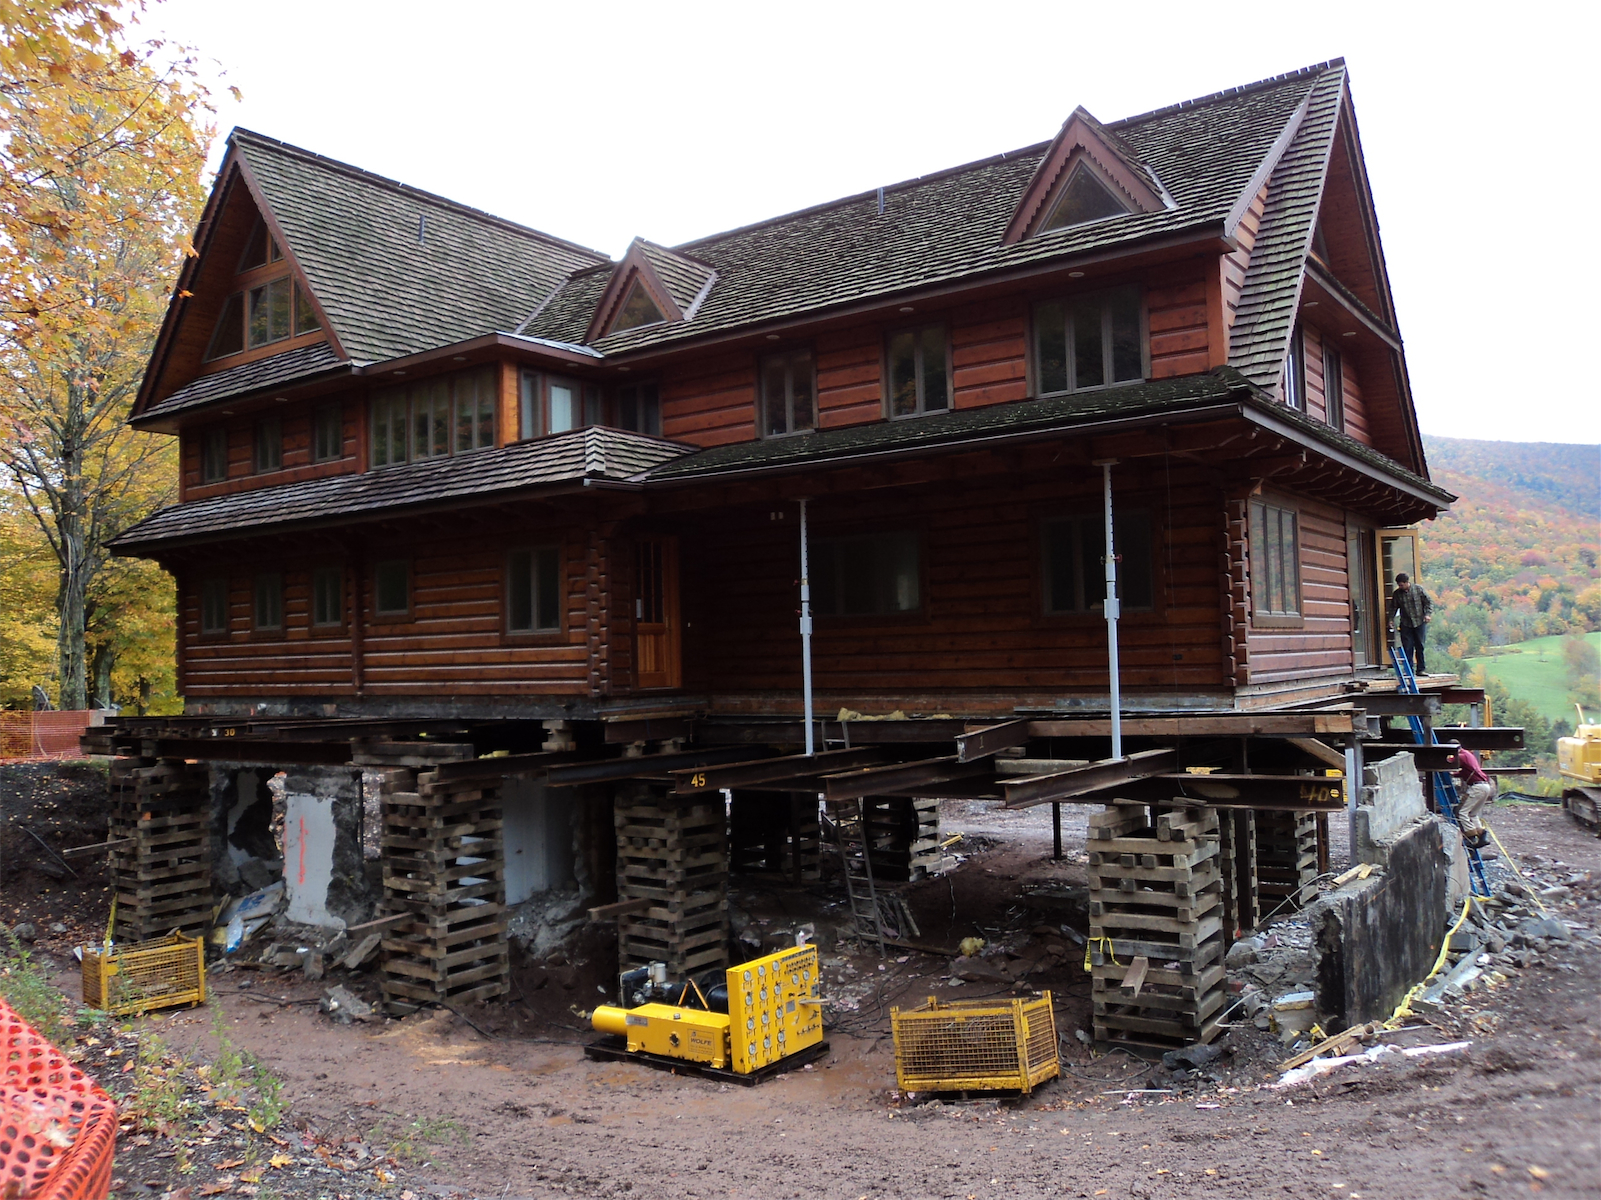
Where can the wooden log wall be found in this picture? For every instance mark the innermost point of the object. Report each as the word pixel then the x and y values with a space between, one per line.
pixel 1321 644
pixel 452 642
pixel 981 625
pixel 1317 401
pixel 713 403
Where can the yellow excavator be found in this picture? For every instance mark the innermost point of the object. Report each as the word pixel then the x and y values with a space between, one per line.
pixel 1579 760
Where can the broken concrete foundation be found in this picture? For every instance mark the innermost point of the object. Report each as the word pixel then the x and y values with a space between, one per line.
pixel 1374 938
pixel 323 861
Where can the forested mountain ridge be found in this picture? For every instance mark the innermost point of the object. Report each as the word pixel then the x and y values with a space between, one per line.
pixel 1516 556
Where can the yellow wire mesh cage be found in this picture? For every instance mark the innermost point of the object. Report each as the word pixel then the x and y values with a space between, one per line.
pixel 149 975
pixel 975 1045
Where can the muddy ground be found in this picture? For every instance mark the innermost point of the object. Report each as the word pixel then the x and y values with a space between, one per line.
pixel 499 1101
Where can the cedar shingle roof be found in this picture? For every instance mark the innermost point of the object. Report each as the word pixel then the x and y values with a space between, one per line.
pixel 293 366
pixel 949 226
pixel 1266 313
pixel 399 270
pixel 557 463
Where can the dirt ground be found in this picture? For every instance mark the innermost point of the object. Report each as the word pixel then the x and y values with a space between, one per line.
pixel 499 1101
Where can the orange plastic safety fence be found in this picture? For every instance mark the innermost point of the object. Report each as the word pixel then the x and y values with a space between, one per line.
pixel 58 1129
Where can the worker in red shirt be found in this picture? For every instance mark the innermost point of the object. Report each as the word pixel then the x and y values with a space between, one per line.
pixel 1475 791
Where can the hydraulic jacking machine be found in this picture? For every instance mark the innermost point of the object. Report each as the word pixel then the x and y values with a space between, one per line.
pixel 761 1018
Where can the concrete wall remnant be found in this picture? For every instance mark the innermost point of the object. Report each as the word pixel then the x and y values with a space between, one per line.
pixel 1374 938
pixel 323 864
pixel 538 834
pixel 1391 800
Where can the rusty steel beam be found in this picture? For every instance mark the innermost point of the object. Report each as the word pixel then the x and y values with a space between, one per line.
pixel 1079 781
pixel 1293 793
pixel 981 743
pixel 1460 695
pixel 899 777
pixel 1428 758
pixel 643 766
pixel 790 769
pixel 270 752
pixel 1399 704
pixel 1484 737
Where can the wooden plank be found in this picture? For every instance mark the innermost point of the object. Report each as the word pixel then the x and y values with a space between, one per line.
pixel 1135 979
pixel 1200 725
pixel 1093 777
pixel 1324 754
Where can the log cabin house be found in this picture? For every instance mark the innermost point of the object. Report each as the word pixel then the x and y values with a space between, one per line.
pixel 446 475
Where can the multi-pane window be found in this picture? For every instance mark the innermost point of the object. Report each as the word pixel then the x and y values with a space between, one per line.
pixel 391 588
pixel 267 611
pixel 269 444
pixel 453 414
pixel 214 455
pixel 919 371
pixel 639 408
pixel 533 590
pixel 266 313
pixel 867 574
pixel 1275 561
pixel 328 596
pixel 788 393
pixel 1333 387
pixel 555 404
pixel 1089 341
pixel 327 433
pixel 1074 572
pixel 214 606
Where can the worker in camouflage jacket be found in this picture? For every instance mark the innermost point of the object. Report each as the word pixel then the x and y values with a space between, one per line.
pixel 1410 610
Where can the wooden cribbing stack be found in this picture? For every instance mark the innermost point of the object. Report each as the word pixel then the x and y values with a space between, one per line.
pixel 675 856
pixel 160 864
pixel 1286 858
pixel 1156 925
pixel 445 880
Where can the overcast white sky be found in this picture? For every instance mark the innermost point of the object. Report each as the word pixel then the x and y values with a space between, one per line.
pixel 597 122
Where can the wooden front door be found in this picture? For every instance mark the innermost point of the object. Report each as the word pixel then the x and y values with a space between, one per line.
pixel 1367 613
pixel 656 661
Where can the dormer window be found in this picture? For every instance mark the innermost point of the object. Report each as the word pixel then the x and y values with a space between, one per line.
pixel 1083 199
pixel 639 309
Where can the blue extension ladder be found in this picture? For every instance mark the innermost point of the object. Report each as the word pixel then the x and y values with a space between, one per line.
pixel 1445 797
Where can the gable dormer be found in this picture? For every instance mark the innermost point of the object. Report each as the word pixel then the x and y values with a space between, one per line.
pixel 650 286
pixel 1088 174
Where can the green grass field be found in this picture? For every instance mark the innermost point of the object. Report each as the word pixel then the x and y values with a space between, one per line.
pixel 1535 671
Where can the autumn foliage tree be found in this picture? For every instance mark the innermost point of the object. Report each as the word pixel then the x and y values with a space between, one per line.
pixel 102 147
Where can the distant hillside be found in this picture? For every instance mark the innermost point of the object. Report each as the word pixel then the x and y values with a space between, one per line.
pixel 1567 476
pixel 1516 557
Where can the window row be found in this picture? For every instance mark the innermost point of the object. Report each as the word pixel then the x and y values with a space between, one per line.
pixel 267 443
pixel 434 418
pixel 1090 341
pixel 533 595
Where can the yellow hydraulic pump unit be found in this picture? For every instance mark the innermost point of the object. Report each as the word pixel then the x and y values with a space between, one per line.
pixel 763 1017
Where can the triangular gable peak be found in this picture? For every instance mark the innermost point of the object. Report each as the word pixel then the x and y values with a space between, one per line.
pixel 651 285
pixel 241 297
pixel 1087 174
